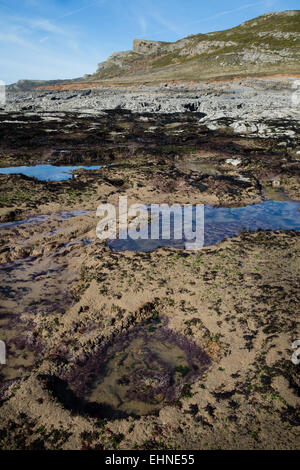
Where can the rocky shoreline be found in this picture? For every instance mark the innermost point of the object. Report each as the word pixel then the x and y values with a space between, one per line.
pixel 263 107
pixel 70 306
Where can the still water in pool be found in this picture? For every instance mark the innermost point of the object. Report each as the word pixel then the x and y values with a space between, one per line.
pixel 46 172
pixel 221 223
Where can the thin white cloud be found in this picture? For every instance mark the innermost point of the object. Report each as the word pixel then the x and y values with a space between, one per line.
pixel 12 38
pixel 47 26
pixel 73 12
pixel 142 23
pixel 146 14
pixel 33 45
pixel 226 12
pixel 24 31
pixel 215 16
pixel 156 15
pixel 44 39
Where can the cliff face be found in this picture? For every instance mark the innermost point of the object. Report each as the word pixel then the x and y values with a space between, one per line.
pixel 143 46
pixel 267 44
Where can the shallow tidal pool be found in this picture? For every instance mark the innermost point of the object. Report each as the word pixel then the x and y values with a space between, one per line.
pixel 219 223
pixel 46 172
pixel 137 374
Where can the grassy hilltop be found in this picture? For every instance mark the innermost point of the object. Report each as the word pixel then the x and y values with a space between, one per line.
pixel 267 44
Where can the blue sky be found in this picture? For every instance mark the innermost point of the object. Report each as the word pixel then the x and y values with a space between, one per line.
pixel 43 39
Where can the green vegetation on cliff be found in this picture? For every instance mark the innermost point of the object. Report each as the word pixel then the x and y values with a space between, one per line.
pixel 267 44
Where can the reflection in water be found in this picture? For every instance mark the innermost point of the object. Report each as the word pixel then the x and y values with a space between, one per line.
pixel 46 172
pixel 221 223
